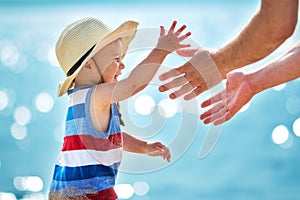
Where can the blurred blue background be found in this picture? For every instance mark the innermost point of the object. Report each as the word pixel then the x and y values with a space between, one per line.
pixel 256 156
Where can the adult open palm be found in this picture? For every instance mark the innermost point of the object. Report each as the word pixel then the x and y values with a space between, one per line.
pixel 228 102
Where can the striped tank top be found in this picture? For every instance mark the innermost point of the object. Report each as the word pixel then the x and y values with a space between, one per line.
pixel 88 162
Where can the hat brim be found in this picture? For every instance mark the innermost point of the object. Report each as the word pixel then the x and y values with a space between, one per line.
pixel 125 31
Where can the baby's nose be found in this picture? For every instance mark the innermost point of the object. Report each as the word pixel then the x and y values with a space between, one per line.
pixel 121 65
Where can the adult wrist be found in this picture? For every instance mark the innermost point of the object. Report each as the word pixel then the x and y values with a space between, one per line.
pixel 203 61
pixel 253 83
pixel 216 57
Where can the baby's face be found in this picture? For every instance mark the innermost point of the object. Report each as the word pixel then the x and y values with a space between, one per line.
pixel 108 60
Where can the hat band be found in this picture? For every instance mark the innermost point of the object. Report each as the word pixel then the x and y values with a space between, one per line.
pixel 79 62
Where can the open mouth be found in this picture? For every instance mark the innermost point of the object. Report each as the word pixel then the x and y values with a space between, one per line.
pixel 117 75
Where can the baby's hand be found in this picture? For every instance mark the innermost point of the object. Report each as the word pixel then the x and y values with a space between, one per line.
pixel 158 149
pixel 171 41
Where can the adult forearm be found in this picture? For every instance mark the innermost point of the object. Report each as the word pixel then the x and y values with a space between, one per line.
pixel 270 27
pixel 281 70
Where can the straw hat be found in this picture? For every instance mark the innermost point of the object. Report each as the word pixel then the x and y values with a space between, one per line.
pixel 82 39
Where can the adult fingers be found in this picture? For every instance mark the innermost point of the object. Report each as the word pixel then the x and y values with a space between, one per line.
pixel 198 90
pixel 220 121
pixel 214 99
pixel 223 119
pixel 172 73
pixel 174 83
pixel 209 113
pixel 183 90
pixel 215 116
pixel 232 110
pixel 225 114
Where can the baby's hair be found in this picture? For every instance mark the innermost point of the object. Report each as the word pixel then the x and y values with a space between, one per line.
pixel 118 105
pixel 120 115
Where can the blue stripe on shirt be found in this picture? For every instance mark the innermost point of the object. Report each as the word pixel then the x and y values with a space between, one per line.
pixel 63 173
pixel 85 186
pixel 79 126
pixel 76 111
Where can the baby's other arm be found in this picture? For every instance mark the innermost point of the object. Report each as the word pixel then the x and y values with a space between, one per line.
pixel 134 145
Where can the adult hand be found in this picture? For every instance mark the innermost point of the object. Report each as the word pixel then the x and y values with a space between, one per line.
pixel 227 103
pixel 194 77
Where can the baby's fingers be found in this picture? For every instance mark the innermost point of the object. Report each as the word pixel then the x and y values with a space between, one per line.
pixel 171 30
pixel 180 30
pixel 162 31
pixel 166 154
pixel 181 38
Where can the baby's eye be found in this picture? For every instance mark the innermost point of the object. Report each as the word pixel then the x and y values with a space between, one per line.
pixel 117 59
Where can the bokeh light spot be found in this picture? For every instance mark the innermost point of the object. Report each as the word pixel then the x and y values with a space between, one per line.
pixel 30 183
pixel 44 102
pixel 167 108
pixel 42 51
pixel 21 65
pixel 292 105
pixel 296 127
pixel 141 188
pixel 279 87
pixel 19 183
pixel 22 115
pixel 52 58
pixel 144 105
pixel 124 191
pixel 7 196
pixel 244 108
pixel 18 131
pixel 34 183
pixel 288 143
pixel 3 100
pixel 9 55
pixel 280 134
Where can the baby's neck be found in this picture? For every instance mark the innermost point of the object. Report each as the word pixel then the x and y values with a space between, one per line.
pixel 84 83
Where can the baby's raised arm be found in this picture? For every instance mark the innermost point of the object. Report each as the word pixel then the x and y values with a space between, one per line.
pixel 143 73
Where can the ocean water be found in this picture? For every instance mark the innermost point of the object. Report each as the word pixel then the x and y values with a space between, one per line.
pixel 245 163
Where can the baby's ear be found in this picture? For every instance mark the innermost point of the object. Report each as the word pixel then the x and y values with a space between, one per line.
pixel 89 64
